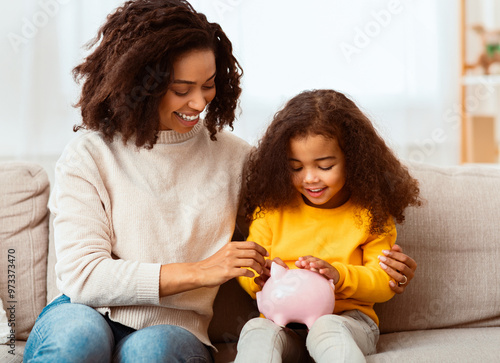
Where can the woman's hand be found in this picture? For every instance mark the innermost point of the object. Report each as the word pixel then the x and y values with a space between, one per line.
pixel 229 260
pixel 398 266
pixel 315 264
pixel 266 274
pixel 232 260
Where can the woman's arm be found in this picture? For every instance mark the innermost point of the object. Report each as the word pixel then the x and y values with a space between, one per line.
pixel 86 270
pixel 398 265
pixel 215 270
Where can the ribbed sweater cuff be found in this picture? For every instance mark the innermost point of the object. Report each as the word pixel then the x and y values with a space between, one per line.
pixel 148 284
pixel 343 271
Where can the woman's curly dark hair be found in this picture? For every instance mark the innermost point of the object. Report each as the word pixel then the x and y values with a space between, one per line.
pixel 375 178
pixel 127 74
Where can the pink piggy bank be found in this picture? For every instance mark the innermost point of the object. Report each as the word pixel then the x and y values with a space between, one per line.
pixel 295 296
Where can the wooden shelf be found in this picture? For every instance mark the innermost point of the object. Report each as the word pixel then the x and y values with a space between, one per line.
pixel 477 134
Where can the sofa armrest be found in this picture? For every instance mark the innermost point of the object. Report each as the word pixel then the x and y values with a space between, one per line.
pixel 24 218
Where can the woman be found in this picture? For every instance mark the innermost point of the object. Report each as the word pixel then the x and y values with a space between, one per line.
pixel 145 200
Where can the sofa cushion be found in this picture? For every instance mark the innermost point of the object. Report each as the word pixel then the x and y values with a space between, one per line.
pixel 439 345
pixel 24 192
pixel 233 307
pixel 4 325
pixel 455 239
pixel 9 356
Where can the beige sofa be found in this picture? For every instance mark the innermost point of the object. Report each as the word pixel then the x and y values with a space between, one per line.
pixel 449 313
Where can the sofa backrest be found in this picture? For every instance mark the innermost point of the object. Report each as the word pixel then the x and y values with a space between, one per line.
pixel 455 239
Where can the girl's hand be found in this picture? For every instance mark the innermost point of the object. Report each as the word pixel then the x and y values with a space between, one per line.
pixel 264 276
pixel 315 264
pixel 398 266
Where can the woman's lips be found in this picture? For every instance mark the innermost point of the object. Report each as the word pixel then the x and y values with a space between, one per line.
pixel 187 123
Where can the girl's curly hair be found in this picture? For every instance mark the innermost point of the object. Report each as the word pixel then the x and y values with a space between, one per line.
pixel 127 74
pixel 375 178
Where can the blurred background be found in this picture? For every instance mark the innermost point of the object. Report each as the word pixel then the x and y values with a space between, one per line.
pixel 413 66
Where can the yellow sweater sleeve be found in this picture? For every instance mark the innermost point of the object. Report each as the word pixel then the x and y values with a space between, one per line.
pixel 260 233
pixel 368 283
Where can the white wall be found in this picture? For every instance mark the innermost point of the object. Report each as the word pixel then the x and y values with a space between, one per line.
pixel 398 59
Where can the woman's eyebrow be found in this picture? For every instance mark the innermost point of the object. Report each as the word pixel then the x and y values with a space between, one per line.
pixel 191 82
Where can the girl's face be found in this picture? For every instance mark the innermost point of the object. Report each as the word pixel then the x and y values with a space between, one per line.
pixel 318 170
pixel 191 90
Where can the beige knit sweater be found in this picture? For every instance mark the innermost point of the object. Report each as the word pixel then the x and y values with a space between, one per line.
pixel 121 212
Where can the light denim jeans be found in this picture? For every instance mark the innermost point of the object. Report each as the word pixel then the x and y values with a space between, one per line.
pixel 66 332
pixel 348 337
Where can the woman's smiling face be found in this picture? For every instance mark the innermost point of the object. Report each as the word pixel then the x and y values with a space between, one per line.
pixel 192 88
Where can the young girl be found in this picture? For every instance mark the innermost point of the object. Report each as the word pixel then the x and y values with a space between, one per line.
pixel 324 193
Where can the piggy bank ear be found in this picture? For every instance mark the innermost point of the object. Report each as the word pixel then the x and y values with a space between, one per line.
pixel 277 271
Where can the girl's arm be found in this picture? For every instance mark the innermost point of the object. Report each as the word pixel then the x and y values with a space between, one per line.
pixel 367 282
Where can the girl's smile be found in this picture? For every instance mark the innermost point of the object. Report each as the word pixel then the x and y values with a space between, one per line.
pixel 315 193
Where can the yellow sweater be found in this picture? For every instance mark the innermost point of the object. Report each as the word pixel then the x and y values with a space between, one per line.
pixel 336 236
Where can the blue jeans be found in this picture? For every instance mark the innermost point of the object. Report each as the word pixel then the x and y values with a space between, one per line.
pixel 66 332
